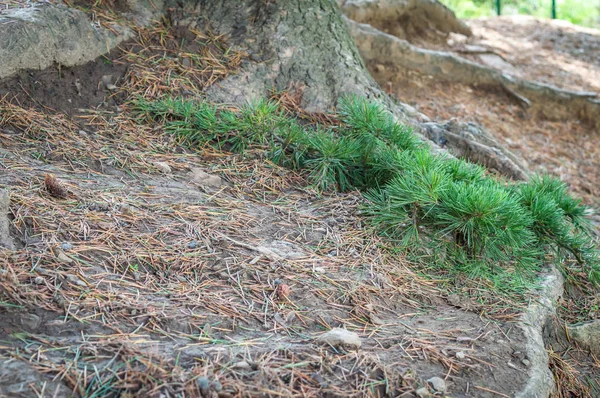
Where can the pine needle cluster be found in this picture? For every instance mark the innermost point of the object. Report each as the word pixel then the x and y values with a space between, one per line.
pixel 450 212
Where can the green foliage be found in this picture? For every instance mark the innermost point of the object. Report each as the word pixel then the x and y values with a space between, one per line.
pixel 446 212
pixel 579 12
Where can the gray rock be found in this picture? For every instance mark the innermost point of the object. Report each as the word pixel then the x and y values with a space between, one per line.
pixel 242 365
pixel 107 80
pixel 39 36
pixel 30 321
pixel 201 177
pixel 438 384
pixel 216 386
pixel 423 392
pixel 5 238
pixel 587 335
pixel 284 249
pixel 337 337
pixel 460 355
pixel 203 385
pixel 163 167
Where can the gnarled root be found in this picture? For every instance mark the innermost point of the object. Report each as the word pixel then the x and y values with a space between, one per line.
pixel 543 99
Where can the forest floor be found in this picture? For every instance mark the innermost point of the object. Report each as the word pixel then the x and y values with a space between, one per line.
pixel 552 52
pixel 140 276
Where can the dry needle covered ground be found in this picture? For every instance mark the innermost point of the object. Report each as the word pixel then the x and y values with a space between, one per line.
pixel 143 268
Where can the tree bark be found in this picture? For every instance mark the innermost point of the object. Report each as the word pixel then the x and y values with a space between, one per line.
pixel 289 42
pixel 307 45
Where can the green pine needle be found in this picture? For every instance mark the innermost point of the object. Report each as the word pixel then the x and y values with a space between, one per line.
pixel 446 212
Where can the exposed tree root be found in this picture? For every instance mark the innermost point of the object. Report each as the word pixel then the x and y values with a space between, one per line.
pixel 469 141
pixel 543 99
pixel 405 18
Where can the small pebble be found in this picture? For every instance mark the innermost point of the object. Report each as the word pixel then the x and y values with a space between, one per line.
pixel 423 392
pixel 203 385
pixel 340 337
pixel 243 365
pixel 525 362
pixel 66 246
pixel 216 386
pixel 38 280
pixel 163 167
pixel 193 244
pixel 460 355
pixel 438 384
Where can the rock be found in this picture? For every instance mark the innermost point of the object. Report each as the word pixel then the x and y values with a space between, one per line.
pixel 200 177
pixel 319 379
pixel 74 279
pixel 203 385
pixel 340 337
pixel 106 80
pixel 525 362
pixel 66 246
pixel 587 335
pixel 216 386
pixel 423 392
pixel 62 257
pixel 38 280
pixel 30 321
pixel 379 68
pixel 193 244
pixel 163 167
pixel 284 249
pixel 5 239
pixel 460 355
pixel 438 384
pixel 186 62
pixel 242 365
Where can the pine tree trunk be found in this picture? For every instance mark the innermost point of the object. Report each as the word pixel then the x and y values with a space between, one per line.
pixel 307 44
pixel 289 42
